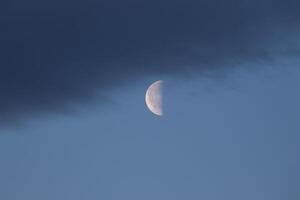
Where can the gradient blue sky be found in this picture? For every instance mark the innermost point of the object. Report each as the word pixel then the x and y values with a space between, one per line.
pixel 230 138
pixel 73 121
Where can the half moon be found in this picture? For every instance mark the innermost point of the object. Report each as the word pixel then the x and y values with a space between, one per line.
pixel 154 98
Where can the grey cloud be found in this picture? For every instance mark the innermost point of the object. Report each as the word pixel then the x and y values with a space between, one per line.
pixel 57 53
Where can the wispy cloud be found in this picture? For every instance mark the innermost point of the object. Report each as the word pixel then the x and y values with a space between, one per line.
pixel 54 54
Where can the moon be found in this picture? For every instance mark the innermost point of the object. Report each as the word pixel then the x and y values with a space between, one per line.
pixel 154 98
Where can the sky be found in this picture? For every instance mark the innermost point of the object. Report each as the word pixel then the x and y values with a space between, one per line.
pixel 73 119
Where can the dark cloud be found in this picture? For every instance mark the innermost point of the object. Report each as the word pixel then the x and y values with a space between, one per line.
pixel 54 53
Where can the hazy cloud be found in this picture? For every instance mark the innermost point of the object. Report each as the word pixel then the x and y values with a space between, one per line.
pixel 59 52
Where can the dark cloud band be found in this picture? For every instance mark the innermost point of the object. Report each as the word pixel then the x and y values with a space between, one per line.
pixel 53 54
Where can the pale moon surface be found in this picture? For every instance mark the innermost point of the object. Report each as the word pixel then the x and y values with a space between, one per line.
pixel 154 98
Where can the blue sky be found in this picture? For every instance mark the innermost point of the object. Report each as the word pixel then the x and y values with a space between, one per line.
pixel 73 120
pixel 231 138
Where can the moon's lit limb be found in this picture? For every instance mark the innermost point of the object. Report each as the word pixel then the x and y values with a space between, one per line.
pixel 154 98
